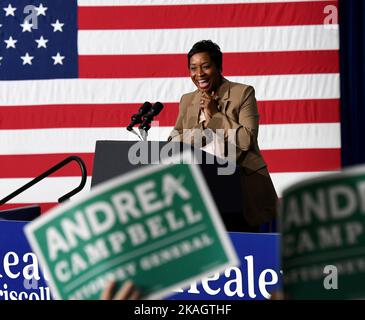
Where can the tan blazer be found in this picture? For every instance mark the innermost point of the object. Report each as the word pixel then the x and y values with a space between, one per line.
pixel 237 110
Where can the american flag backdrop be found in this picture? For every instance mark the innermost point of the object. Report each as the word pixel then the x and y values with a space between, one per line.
pixel 89 64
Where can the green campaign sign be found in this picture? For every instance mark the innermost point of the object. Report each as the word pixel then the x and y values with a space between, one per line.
pixel 323 237
pixel 157 226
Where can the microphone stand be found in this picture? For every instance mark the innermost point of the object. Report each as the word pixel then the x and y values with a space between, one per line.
pixel 139 136
pixel 144 127
pixel 143 134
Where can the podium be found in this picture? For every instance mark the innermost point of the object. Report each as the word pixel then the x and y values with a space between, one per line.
pixel 113 158
pixel 27 213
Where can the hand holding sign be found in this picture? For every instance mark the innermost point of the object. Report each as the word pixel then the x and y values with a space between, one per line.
pixel 126 292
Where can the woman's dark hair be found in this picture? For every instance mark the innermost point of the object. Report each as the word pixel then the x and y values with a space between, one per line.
pixel 209 47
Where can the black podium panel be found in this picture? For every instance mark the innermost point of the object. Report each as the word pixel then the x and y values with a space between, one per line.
pixel 113 158
pixel 28 213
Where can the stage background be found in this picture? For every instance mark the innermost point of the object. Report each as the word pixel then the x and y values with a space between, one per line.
pixel 118 54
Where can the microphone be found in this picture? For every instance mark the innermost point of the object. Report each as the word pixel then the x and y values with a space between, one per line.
pixel 137 117
pixel 147 118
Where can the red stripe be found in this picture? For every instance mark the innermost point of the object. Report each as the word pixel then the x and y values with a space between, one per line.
pixel 202 16
pixel 175 65
pixel 44 206
pixel 77 116
pixel 32 165
pixel 299 111
pixel 301 160
pixel 118 115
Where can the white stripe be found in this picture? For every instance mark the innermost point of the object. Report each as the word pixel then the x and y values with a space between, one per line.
pixel 43 141
pixel 299 136
pixel 250 39
pixel 68 140
pixel 50 189
pixel 282 181
pixel 175 2
pixel 80 91
pixel 47 190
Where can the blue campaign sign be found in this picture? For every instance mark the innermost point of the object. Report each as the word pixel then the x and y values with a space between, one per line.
pixel 20 277
pixel 257 276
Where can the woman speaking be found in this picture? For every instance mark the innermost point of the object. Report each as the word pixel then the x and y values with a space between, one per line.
pixel 221 105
